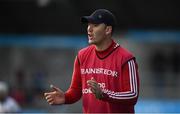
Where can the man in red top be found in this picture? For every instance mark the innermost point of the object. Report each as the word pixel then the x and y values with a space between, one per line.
pixel 105 74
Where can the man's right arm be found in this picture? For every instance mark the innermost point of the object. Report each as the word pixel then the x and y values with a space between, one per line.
pixel 74 92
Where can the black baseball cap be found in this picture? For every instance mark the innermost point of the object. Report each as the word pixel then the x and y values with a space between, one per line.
pixel 100 16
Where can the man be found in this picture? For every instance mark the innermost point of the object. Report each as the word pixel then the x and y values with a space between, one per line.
pixel 105 74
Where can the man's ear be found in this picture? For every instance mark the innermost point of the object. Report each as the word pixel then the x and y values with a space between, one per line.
pixel 108 29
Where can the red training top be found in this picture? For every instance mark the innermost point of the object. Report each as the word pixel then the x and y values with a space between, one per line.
pixel 115 70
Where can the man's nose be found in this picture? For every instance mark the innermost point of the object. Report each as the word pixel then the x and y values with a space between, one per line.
pixel 89 29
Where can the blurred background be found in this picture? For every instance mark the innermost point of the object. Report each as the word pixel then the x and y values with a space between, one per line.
pixel 39 40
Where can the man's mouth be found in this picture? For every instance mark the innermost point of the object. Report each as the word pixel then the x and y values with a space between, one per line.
pixel 90 36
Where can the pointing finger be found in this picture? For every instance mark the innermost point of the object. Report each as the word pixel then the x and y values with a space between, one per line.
pixel 54 88
pixel 92 78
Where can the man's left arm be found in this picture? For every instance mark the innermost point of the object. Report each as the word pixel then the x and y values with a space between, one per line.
pixel 129 95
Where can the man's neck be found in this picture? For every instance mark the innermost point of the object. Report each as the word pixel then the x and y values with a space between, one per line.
pixel 104 45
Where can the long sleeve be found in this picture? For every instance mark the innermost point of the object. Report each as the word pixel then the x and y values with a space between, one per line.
pixel 130 91
pixel 74 92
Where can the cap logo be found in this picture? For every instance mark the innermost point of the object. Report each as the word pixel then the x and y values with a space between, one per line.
pixel 100 16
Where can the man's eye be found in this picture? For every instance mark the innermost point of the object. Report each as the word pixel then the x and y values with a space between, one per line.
pixel 95 25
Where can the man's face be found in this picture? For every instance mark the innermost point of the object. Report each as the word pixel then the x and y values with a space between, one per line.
pixel 96 33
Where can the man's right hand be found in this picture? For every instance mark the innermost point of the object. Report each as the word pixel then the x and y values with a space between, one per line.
pixel 55 97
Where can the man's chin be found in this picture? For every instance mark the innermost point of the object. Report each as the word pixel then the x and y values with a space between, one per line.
pixel 91 42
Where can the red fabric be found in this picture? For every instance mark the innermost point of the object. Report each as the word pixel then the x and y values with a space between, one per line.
pixel 74 93
pixel 115 69
pixel 125 86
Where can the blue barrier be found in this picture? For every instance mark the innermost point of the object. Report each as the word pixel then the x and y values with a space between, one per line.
pixel 154 36
pixel 36 41
pixel 158 106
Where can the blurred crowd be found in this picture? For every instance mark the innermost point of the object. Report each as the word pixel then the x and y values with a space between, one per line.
pixel 16 98
pixel 7 103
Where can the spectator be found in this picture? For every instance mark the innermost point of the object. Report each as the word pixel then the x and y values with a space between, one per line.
pixel 7 103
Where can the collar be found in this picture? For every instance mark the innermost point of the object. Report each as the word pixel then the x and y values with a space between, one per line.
pixel 108 51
